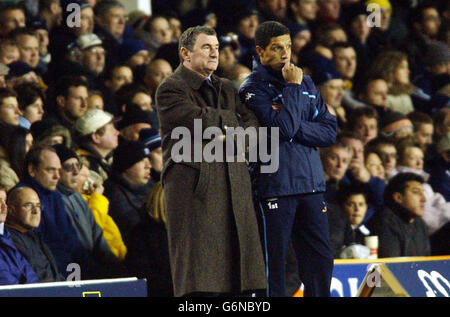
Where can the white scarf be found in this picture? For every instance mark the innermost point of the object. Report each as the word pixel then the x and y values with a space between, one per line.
pixel 2 224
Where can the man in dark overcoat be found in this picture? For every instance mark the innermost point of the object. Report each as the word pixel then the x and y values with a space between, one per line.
pixel 212 227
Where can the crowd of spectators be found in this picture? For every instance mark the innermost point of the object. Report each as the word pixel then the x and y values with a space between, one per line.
pixel 80 151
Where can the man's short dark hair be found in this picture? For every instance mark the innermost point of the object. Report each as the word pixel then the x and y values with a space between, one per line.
pixel 266 30
pixel 342 45
pixel 418 118
pixel 66 82
pixel 127 92
pixel 27 94
pixel 5 93
pixel 345 192
pixel 15 34
pixel 357 113
pixel 189 36
pixel 398 185
pixel 103 7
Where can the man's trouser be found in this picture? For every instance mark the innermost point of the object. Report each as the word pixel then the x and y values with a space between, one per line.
pixel 304 220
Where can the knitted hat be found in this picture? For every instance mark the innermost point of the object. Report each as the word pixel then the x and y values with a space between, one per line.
pixel 18 68
pixel 134 114
pixel 381 3
pixel 323 72
pixel 151 138
pixel 37 24
pixel 295 28
pixel 129 48
pixel 437 52
pixel 127 154
pixel 390 117
pixel 393 121
pixel 64 153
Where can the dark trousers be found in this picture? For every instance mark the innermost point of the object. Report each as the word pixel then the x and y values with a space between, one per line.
pixel 302 219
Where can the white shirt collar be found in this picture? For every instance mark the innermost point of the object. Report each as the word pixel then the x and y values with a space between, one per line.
pixel 2 225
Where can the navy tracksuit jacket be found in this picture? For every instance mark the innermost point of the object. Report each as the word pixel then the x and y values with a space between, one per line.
pixel 292 197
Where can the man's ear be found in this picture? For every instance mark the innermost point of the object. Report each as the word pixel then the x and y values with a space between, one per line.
pixel 398 198
pixel 60 101
pixel 260 51
pixel 31 170
pixel 95 138
pixel 184 53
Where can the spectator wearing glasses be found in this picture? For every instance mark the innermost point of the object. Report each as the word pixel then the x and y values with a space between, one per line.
pixel 24 217
pixel 81 216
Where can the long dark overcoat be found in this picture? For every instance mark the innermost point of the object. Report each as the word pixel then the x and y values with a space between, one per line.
pixel 212 228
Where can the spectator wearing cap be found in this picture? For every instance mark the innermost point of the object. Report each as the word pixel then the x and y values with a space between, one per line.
pixel 134 120
pixel 92 58
pixel 4 71
pixel 63 35
pixel 437 63
pixel 81 216
pixel 71 94
pixel 134 53
pixel 301 36
pixel 331 87
pixel 152 140
pixel 246 22
pixel 12 16
pixel 396 126
pixel 156 71
pixel 97 139
pixel 128 185
pixel 50 132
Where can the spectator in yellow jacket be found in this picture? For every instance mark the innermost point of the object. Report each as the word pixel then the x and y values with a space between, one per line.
pixel 90 185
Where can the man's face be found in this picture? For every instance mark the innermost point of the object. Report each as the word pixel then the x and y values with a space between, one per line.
pixel 431 22
pixel 330 8
pixel 156 159
pixel 424 135
pixel 356 208
pixel 247 26
pixel 307 9
pixel 9 111
pixel 143 100
pixel 114 21
pixel 47 173
pixel 204 57
pixel 175 25
pixel 277 53
pixel 359 26
pixel 3 206
pixel 70 173
pixel 376 93
pixel 156 72
pixel 388 155
pixel 43 41
pixel 336 162
pixel 76 102
pixel 12 19
pixel 93 59
pixel 413 199
pixel 86 21
pixel 121 76
pixel 161 30
pixel 332 92
pixel 9 54
pixel 413 158
pixel 337 35
pixel 227 58
pixel 110 139
pixel 367 128
pixel 345 61
pixel 139 173
pixel 29 49
pixel 276 8
pixel 300 40
pixel 26 210
pixel 358 149
pixel 34 111
pixel 375 166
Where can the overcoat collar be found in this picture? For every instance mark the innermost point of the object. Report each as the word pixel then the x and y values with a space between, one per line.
pixel 193 79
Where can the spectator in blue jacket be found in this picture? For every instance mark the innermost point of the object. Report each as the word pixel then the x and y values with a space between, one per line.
pixel 14 268
pixel 42 175
pixel 292 197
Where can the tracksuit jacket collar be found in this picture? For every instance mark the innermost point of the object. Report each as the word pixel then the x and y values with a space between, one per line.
pixel 268 73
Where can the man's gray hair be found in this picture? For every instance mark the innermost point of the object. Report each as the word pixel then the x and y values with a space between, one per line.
pixel 189 36
pixel 102 8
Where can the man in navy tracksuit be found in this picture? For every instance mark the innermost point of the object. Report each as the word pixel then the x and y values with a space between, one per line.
pixel 292 197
